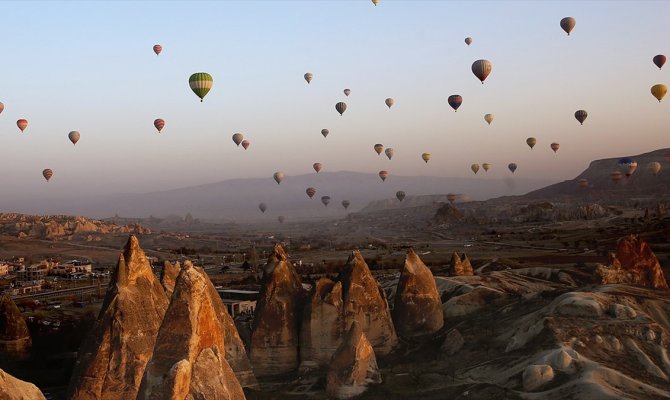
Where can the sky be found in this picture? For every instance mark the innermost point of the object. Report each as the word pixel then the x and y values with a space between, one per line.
pixel 89 66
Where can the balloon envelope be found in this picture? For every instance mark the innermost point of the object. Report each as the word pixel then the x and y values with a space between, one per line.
pixel 489 118
pixel 379 148
pixel 278 177
pixel 455 101
pixel 245 144
pixel 659 91
pixel 568 23
pixel 659 60
pixel 310 192
pixel 383 175
pixel 325 132
pixel 325 200
pixel 581 115
pixel 531 141
pixel 237 138
pixel 159 124
pixel 262 207
pixel 158 48
pixel 317 167
pixel 426 157
pixel 468 41
pixel 201 83
pixel 375 2
pixel 400 195
pixel 654 167
pixel 341 107
pixel 345 204
pixel 22 124
pixel 2 107
pixel 475 168
pixel 347 92
pixel 628 165
pixel 511 167
pixel 308 77
pixel 486 166
pixel 47 174
pixel 389 102
pixel 482 69
pixel 389 152
pixel 74 137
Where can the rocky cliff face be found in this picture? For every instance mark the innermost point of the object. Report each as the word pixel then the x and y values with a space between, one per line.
pixel 460 266
pixel 353 366
pixel 112 360
pixel 169 276
pixel 418 307
pixel 274 337
pixel 16 389
pixel 188 360
pixel 634 263
pixel 59 227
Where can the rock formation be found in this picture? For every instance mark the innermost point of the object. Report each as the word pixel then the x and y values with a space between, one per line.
pixel 188 360
pixel 14 333
pixel 634 263
pixel 274 337
pixel 460 265
pixel 169 276
pixel 113 358
pixel 418 308
pixel 353 366
pixel 16 389
pixel 356 296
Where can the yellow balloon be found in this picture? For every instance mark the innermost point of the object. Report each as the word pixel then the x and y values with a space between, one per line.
pixel 474 168
pixel 659 91
pixel 426 157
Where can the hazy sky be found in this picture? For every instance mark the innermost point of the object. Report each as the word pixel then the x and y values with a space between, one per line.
pixel 89 66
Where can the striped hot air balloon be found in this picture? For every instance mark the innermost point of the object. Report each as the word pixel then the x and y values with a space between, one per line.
pixel 482 69
pixel 486 166
pixel 74 137
pixel 379 148
pixel 245 144
pixel 237 138
pixel 568 24
pixel 158 48
pixel 47 174
pixel 581 115
pixel 22 124
pixel 455 101
pixel 341 107
pixel 310 192
pixel 2 107
pixel 400 195
pixel 383 175
pixel 325 132
pixel 317 167
pixel 159 124
pixel 201 83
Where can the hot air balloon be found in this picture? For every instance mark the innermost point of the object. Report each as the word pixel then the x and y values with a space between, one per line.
pixel 468 41
pixel 237 138
pixel 310 192
pixel 347 92
pixel 616 176
pixel 325 132
pixel 308 77
pixel 389 102
pixel 201 83
pixel 489 118
pixel 245 144
pixel 659 91
pixel 455 101
pixel 159 124
pixel 555 146
pixel 486 166
pixel 22 124
pixel 158 48
pixel 568 23
pixel 531 142
pixel 426 157
pixel 345 204
pixel 379 148
pixel 482 69
pixel 389 152
pixel 280 219
pixel 375 2
pixel 511 167
pixel 628 165
pixel 341 107
pixel 581 115
pixel 400 195
pixel 383 175
pixel 475 168
pixel 325 200
pixel 583 183
pixel 654 167
pixel 2 107
pixel 74 137
pixel 47 174
pixel 451 197
pixel 278 177
pixel 659 60
pixel 262 207
pixel 317 167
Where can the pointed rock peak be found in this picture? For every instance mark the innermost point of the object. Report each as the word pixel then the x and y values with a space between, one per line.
pixel 12 324
pixel 278 254
pixel 132 245
pixel 187 265
pixel 455 258
pixel 412 261
pixel 135 262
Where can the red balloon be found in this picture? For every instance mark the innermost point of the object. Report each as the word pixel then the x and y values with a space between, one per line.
pixel 158 48
pixel 159 124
